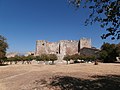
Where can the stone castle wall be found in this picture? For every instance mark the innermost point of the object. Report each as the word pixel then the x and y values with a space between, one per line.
pixel 44 47
pixel 68 47
pixel 61 48
pixel 85 43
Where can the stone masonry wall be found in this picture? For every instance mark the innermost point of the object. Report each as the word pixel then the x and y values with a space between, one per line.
pixel 61 48
pixel 44 47
pixel 68 47
pixel 53 48
pixel 85 43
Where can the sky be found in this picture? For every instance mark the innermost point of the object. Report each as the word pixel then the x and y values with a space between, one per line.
pixel 23 22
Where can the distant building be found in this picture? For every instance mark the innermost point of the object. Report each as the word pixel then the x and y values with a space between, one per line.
pixel 12 54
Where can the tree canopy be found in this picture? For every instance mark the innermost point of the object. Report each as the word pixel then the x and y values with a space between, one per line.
pixel 109 52
pixel 3 46
pixel 106 12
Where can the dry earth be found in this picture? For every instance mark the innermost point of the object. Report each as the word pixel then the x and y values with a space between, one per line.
pixel 60 77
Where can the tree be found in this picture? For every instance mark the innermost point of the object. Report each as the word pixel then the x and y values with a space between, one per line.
pixel 67 58
pixel 106 12
pixel 75 57
pixel 118 50
pixel 16 59
pixel 4 60
pixel 38 59
pixel 52 57
pixel 3 48
pixel 44 57
pixel 109 52
pixel 10 59
pixel 23 59
pixel 103 55
pixel 29 58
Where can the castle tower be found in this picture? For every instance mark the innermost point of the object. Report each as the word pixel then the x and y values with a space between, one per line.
pixel 84 42
pixel 41 47
pixel 63 47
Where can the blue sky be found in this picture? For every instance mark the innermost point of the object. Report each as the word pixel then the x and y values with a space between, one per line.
pixel 23 22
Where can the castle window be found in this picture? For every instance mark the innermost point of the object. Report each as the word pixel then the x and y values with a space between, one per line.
pixel 32 53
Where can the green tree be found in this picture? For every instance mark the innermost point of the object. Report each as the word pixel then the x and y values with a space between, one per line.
pixel 38 58
pixel 23 59
pixel 10 59
pixel 105 12
pixel 16 59
pixel 75 57
pixel 44 57
pixel 29 58
pixel 103 55
pixel 3 48
pixel 67 58
pixel 52 57
pixel 108 52
pixel 90 58
pixel 4 60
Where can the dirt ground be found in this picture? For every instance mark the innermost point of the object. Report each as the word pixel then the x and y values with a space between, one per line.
pixel 81 76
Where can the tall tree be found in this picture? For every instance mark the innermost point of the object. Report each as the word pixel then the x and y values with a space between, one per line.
pixel 106 12
pixel 109 52
pixel 3 47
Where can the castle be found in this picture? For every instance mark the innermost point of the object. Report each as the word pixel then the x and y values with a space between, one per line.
pixel 61 48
